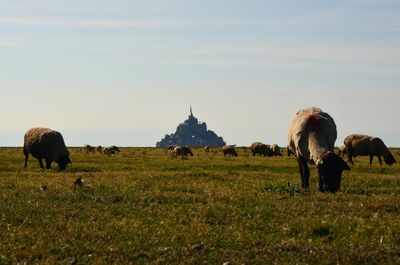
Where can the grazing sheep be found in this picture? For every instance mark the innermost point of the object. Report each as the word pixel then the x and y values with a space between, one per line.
pixel 364 145
pixel 182 151
pixel 276 151
pixel 89 149
pixel 44 143
pixel 342 151
pixel 311 136
pixel 230 150
pixel 99 149
pixel 206 149
pixel 111 150
pixel 260 148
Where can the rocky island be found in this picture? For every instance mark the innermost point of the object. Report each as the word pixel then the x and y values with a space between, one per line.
pixel 192 133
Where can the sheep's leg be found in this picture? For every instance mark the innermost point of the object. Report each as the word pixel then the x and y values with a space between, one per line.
pixel 304 172
pixel 26 160
pixel 371 157
pixel 41 163
pixel 380 160
pixel 48 164
pixel 350 157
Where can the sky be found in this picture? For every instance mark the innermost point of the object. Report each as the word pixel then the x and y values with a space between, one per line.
pixel 125 72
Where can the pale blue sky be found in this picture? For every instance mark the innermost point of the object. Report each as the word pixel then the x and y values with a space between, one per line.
pixel 125 72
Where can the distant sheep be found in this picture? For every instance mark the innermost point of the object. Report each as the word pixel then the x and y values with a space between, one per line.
pixel 276 151
pixel 182 151
pixel 111 150
pixel 261 149
pixel 229 150
pixel 311 136
pixel 365 145
pixel 99 149
pixel 206 149
pixel 89 149
pixel 47 144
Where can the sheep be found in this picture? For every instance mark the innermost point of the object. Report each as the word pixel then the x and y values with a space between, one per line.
pixel 364 145
pixel 99 149
pixel 276 151
pixel 260 148
pixel 230 150
pixel 206 149
pixel 342 151
pixel 44 143
pixel 182 151
pixel 111 150
pixel 311 137
pixel 89 149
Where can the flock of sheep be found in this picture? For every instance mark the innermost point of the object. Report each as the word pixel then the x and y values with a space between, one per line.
pixel 311 138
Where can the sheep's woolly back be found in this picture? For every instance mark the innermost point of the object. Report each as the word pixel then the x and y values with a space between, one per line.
pixel 312 133
pixel 45 143
pixel 360 144
pixel 275 149
pixel 229 149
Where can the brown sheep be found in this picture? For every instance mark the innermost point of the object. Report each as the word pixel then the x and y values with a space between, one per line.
pixel 44 143
pixel 182 151
pixel 229 150
pixel 89 149
pixel 260 148
pixel 311 136
pixel 365 145
pixel 276 151
pixel 111 150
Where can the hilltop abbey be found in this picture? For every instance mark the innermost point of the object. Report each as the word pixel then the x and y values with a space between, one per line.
pixel 192 133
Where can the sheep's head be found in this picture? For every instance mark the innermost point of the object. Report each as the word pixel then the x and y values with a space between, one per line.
pixel 330 172
pixel 63 161
pixel 389 159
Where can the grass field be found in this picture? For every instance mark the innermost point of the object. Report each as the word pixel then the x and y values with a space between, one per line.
pixel 143 206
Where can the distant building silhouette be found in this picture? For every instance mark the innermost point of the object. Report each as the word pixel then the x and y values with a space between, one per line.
pixel 192 133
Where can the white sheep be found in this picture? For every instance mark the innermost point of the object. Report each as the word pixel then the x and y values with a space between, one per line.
pixel 311 136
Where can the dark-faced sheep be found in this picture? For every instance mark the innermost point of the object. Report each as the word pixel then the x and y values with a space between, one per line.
pixel 182 151
pixel 276 151
pixel 261 149
pixel 206 149
pixel 111 150
pixel 311 136
pixel 47 144
pixel 89 149
pixel 99 149
pixel 365 145
pixel 229 150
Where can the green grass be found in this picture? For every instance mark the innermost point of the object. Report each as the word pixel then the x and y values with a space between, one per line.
pixel 143 206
